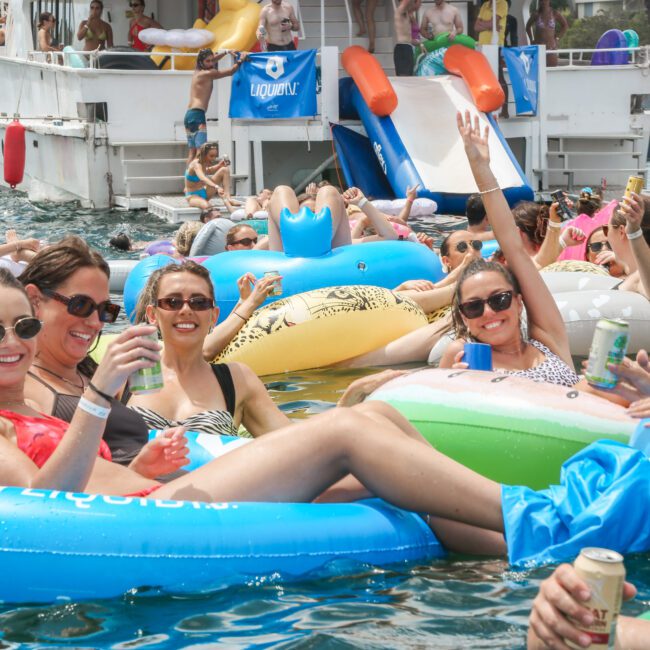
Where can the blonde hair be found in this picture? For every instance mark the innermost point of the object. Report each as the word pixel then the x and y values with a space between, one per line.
pixel 185 235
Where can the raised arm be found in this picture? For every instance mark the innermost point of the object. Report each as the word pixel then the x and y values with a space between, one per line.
pixel 545 321
pixel 633 210
pixel 377 220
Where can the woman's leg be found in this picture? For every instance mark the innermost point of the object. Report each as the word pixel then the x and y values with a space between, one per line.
pixel 358 16
pixel 196 201
pixel 251 206
pixel 283 197
pixel 298 462
pixel 222 177
pixel 330 197
pixel 371 5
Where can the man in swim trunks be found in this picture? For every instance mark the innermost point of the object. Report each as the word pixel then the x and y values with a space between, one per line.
pixel 200 92
pixel 277 21
pixel 440 18
pixel 405 37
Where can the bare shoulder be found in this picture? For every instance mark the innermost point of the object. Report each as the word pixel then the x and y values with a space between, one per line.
pixel 244 378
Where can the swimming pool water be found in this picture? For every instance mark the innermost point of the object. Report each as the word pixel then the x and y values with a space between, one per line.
pixel 453 603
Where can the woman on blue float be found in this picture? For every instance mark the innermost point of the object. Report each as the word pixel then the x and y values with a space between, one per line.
pixel 490 298
pixel 338 455
pixel 213 398
pixel 206 177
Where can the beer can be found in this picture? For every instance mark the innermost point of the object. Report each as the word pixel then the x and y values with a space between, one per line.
pixel 277 285
pixel 603 570
pixel 147 380
pixel 634 184
pixel 609 345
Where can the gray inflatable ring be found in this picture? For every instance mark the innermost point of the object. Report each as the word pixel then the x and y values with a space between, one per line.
pixel 211 239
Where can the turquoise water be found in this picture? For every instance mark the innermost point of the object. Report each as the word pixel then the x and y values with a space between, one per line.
pixel 454 603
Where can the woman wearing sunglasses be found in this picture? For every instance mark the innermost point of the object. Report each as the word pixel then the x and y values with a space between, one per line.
pixel 138 23
pixel 241 237
pixel 68 286
pixel 489 299
pixel 599 251
pixel 212 398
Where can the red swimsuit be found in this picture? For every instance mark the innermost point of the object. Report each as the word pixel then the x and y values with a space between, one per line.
pixel 38 437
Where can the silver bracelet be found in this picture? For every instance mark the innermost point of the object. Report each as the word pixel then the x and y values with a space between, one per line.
pixel 361 203
pixel 634 235
pixel 492 189
pixel 93 409
pixel 554 224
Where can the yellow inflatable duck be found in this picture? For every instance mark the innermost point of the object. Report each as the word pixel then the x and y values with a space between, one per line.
pixel 233 28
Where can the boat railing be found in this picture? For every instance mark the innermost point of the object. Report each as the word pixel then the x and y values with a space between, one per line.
pixel 580 57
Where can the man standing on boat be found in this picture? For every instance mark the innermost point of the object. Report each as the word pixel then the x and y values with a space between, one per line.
pixel 200 91
pixel 440 18
pixel 277 21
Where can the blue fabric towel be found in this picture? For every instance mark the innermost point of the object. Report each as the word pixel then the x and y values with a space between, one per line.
pixel 603 500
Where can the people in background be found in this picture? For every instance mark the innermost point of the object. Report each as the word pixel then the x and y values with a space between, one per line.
pixel 241 237
pixel 200 92
pixel 95 32
pixel 512 29
pixel 138 23
pixel 546 26
pixel 477 221
pixel 483 28
pixel 277 21
pixel 366 20
pixel 46 42
pixel 3 22
pixel 207 176
pixel 405 37
pixel 440 18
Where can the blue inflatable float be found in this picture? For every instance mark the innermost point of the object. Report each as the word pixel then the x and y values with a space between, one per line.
pixel 612 38
pixel 308 263
pixel 80 546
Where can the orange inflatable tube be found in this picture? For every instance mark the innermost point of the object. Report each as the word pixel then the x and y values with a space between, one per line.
pixel 371 80
pixel 476 72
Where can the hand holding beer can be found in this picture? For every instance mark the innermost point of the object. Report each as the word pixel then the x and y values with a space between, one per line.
pixel 604 573
pixel 634 184
pixel 277 285
pixel 147 380
pixel 608 346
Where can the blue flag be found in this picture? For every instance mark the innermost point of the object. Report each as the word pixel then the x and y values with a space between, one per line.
pixel 522 65
pixel 275 85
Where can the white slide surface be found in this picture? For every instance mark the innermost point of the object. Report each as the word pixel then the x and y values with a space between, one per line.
pixel 425 120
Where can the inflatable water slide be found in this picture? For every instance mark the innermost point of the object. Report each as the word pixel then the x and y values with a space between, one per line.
pixel 411 127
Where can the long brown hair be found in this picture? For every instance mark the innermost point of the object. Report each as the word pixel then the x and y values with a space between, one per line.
pixel 532 219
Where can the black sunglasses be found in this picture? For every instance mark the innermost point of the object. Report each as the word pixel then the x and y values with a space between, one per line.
pixel 598 246
pixel 176 303
pixel 135 4
pixel 82 306
pixel 246 241
pixel 497 302
pixel 462 246
pixel 25 328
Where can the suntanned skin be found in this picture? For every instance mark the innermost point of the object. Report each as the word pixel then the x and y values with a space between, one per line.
pixel 440 18
pixel 271 20
pixel 403 20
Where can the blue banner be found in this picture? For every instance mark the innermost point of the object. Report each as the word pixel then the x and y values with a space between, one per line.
pixel 275 85
pixel 522 65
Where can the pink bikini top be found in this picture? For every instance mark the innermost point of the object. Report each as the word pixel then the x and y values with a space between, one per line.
pixel 38 437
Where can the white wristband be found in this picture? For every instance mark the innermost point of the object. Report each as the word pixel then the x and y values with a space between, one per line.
pixel 554 224
pixel 93 409
pixel 634 235
pixel 361 203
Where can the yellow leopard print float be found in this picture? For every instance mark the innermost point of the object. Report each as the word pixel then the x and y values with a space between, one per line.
pixel 321 327
pixel 439 313
pixel 575 266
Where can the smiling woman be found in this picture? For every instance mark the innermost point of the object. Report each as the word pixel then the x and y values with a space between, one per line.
pixel 490 298
pixel 213 398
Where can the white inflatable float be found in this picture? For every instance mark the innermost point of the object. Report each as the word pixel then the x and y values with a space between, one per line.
pixel 420 208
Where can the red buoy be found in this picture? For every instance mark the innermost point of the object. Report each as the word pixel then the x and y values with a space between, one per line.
pixel 14 153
